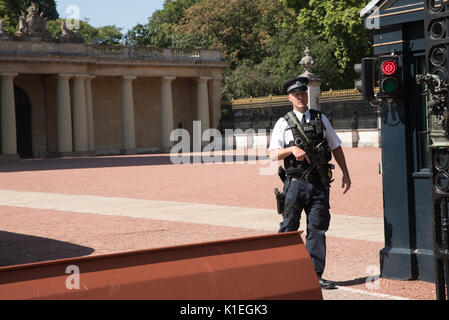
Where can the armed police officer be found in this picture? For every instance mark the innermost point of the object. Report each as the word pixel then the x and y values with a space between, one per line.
pixel 305 140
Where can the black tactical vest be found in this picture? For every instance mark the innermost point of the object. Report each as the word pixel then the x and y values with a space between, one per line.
pixel 314 131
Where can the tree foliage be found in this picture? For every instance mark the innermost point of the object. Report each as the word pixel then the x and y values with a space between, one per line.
pixel 338 22
pixel 250 80
pixel 241 29
pixel 106 35
pixel 10 11
pixel 288 49
pixel 159 32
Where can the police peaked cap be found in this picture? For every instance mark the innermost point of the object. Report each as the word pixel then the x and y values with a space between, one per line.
pixel 296 85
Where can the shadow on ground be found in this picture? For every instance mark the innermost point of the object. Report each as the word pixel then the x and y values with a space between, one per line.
pixel 119 161
pixel 18 249
pixel 353 282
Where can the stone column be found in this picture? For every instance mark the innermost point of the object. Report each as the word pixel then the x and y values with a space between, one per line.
pixel 166 112
pixel 90 115
pixel 307 63
pixel 203 113
pixel 128 121
pixel 314 91
pixel 215 100
pixel 64 113
pixel 80 134
pixel 8 116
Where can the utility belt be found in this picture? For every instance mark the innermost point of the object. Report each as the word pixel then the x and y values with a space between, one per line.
pixel 310 175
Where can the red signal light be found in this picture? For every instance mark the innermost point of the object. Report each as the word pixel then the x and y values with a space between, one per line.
pixel 389 67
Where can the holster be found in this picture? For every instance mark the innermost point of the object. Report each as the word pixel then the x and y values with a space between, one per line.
pixel 280 200
pixel 280 196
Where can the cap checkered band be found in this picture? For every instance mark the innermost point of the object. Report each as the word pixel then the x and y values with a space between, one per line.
pixel 298 84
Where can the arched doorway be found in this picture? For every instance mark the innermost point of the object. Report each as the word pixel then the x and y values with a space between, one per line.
pixel 23 124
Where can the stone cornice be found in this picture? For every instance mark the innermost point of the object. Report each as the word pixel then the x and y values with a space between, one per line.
pixel 168 78
pixel 8 75
pixel 108 62
pixel 128 78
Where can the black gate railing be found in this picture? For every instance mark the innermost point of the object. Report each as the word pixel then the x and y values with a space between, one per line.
pixel 345 109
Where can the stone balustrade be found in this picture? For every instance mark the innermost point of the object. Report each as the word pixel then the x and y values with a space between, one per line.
pixel 34 48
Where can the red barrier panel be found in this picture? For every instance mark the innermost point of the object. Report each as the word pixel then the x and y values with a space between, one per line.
pixel 264 267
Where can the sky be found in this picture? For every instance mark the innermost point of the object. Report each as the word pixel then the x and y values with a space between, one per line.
pixel 121 13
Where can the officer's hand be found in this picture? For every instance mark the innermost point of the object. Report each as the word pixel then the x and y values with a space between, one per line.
pixel 299 154
pixel 346 183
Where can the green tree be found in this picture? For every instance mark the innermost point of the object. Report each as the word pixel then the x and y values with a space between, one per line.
pixel 244 31
pixel 10 11
pixel 250 80
pixel 159 32
pixel 138 36
pixel 295 4
pixel 338 22
pixel 107 35
pixel 286 52
pixel 241 29
pixel 48 7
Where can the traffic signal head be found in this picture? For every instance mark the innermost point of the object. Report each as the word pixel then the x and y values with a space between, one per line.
pixel 365 84
pixel 390 77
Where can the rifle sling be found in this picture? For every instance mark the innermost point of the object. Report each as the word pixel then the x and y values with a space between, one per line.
pixel 293 118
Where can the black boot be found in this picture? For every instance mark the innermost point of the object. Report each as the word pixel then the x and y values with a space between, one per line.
pixel 326 284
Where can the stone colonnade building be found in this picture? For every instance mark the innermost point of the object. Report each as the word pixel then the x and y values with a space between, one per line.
pixel 73 99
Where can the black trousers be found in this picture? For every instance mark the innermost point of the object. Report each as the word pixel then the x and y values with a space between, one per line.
pixel 313 198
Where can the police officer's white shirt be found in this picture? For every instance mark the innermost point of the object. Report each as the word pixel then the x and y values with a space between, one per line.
pixel 282 137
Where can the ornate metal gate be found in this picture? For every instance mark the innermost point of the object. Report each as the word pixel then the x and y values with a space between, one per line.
pixel 437 49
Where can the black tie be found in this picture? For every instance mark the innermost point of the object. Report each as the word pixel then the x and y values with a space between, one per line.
pixel 303 121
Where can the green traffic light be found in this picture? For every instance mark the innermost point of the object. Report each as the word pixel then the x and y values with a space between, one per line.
pixel 389 85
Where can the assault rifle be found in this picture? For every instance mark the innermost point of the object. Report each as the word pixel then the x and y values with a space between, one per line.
pixel 319 159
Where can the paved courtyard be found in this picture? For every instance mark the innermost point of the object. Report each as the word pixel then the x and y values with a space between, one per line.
pixel 61 208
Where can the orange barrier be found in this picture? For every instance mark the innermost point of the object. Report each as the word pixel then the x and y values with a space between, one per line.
pixel 265 267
